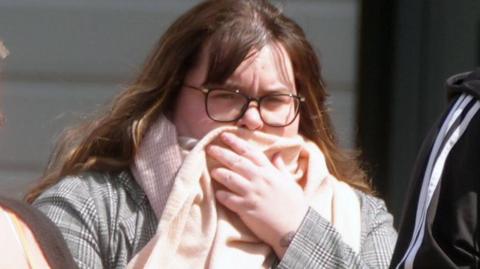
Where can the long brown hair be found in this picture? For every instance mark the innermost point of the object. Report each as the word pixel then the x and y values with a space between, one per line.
pixel 232 29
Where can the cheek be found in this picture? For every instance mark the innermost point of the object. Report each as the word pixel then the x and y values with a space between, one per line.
pixel 187 115
pixel 287 131
pixel 203 125
pixel 292 129
pixel 191 119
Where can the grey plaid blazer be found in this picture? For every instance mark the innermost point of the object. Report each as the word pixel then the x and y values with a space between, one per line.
pixel 106 219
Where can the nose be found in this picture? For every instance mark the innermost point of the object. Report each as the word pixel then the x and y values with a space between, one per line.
pixel 251 119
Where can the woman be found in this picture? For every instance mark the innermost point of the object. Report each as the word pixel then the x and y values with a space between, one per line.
pixel 29 239
pixel 227 80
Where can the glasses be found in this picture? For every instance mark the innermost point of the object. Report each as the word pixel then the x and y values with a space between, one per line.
pixel 225 105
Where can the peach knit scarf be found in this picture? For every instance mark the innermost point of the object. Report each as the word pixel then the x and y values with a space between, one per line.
pixel 195 231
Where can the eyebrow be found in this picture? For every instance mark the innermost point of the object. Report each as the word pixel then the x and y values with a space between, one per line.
pixel 278 88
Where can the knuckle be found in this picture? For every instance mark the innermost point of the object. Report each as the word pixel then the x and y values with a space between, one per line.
pixel 237 162
pixel 243 151
pixel 227 179
pixel 228 198
pixel 250 206
pixel 251 203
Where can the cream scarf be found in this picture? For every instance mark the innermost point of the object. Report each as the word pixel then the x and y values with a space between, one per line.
pixel 196 232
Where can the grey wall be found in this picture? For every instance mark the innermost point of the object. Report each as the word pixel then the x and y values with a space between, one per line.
pixel 70 57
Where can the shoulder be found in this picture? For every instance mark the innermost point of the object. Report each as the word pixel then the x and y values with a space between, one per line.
pixel 370 203
pixel 104 214
pixel 372 207
pixel 93 185
pixel 43 230
pixel 93 196
pixel 375 215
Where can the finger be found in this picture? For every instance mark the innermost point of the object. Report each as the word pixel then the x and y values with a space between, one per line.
pixel 244 148
pixel 233 161
pixel 232 181
pixel 230 200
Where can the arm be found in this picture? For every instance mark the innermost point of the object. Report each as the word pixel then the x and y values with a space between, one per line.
pixel 69 205
pixel 317 244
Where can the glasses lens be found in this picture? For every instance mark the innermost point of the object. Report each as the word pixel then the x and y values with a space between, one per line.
pixel 224 105
pixel 279 110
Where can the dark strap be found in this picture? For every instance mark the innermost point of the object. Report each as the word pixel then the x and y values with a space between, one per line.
pixel 45 231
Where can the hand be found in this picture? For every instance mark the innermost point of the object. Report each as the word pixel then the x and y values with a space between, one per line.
pixel 263 193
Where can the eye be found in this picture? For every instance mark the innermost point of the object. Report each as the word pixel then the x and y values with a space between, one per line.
pixel 278 99
pixel 221 94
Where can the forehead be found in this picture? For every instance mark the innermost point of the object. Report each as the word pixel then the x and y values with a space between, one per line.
pixel 272 55
pixel 267 68
pixel 270 66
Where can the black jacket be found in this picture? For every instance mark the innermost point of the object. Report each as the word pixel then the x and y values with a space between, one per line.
pixel 451 230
